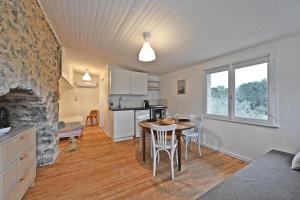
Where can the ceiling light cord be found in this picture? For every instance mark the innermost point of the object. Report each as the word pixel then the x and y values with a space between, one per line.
pixel 147 36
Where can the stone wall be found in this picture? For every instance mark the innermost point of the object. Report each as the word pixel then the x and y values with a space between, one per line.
pixel 29 72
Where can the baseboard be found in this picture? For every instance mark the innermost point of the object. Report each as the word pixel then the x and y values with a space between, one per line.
pixel 229 153
pixel 106 133
pixel 122 139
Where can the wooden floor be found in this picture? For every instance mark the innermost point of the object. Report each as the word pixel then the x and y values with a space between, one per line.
pixel 102 169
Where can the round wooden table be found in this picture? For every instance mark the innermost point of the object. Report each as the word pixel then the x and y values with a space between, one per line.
pixel 145 125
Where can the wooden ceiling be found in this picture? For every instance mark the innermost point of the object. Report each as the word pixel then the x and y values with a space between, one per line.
pixel 184 32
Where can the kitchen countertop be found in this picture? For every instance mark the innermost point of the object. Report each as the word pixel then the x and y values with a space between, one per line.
pixel 129 108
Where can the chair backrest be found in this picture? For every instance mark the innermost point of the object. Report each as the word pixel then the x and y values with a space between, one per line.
pixel 161 134
pixel 94 112
pixel 180 116
pixel 198 119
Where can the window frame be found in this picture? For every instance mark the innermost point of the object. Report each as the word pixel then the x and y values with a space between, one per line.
pixel 273 120
pixel 209 72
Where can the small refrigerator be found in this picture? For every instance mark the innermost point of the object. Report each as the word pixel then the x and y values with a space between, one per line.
pixel 140 115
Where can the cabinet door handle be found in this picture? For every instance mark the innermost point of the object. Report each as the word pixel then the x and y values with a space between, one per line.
pixel 22 137
pixel 23 157
pixel 21 179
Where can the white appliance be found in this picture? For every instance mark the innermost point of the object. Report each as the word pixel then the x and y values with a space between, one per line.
pixel 140 115
pixel 86 84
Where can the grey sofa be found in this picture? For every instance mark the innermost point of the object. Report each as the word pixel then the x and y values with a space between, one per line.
pixel 268 178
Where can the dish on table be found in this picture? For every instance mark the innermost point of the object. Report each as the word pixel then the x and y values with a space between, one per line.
pixel 3 131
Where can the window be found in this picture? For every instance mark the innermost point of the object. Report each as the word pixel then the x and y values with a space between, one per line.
pixel 251 91
pixel 242 92
pixel 217 93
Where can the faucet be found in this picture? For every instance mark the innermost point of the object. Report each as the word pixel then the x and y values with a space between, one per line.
pixel 120 99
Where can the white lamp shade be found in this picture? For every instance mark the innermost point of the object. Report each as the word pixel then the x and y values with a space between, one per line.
pixel 147 54
pixel 86 76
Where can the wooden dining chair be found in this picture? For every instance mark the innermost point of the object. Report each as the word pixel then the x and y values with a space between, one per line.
pixel 193 135
pixel 93 115
pixel 161 142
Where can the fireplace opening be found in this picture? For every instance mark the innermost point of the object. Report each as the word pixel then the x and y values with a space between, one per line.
pixel 27 109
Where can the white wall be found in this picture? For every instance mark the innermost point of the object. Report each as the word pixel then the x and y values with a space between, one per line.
pixel 79 101
pixel 106 127
pixel 245 141
pixel 66 68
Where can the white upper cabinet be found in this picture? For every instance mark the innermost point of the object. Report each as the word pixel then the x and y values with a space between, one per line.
pixel 125 82
pixel 139 83
pixel 119 81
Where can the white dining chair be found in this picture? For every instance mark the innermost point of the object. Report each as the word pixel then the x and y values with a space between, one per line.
pixel 193 135
pixel 161 142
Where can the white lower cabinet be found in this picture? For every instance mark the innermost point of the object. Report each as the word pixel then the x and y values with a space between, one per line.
pixel 122 125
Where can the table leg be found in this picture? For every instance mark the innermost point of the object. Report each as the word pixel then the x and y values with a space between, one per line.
pixel 144 145
pixel 179 150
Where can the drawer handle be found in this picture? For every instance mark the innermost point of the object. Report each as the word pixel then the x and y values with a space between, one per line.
pixel 23 157
pixel 22 137
pixel 21 179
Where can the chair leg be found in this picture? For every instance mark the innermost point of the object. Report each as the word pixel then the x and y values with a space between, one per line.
pixel 176 156
pixel 154 163
pixel 87 119
pixel 186 148
pixel 153 151
pixel 158 157
pixel 96 120
pixel 151 146
pixel 172 167
pixel 199 148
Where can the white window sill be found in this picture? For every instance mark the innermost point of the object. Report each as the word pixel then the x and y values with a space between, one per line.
pixel 243 121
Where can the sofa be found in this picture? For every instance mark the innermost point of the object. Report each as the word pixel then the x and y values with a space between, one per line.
pixel 268 178
pixel 71 126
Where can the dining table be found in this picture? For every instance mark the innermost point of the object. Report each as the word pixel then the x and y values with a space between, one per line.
pixel 182 124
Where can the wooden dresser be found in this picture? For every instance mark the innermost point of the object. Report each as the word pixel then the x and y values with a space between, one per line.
pixel 17 162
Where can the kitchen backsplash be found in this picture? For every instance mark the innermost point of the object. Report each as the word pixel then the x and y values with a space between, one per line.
pixel 135 101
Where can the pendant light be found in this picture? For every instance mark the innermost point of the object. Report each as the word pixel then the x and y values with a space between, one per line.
pixel 86 76
pixel 147 54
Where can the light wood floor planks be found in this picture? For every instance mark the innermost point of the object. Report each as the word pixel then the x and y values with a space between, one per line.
pixel 102 169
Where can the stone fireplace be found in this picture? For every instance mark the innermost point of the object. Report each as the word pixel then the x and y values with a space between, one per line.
pixel 26 109
pixel 29 72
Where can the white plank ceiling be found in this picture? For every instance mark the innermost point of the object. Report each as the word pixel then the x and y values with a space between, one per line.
pixel 184 32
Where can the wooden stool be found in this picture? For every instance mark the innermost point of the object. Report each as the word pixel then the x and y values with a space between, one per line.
pixel 93 115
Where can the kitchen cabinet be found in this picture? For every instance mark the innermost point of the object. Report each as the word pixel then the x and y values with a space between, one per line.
pixel 124 82
pixel 120 81
pixel 138 83
pixel 122 125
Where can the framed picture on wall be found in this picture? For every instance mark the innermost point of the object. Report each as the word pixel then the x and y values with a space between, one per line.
pixel 181 86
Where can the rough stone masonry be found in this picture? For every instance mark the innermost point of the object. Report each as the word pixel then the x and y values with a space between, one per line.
pixel 29 72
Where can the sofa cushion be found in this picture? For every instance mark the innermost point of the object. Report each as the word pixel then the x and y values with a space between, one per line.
pixel 296 161
pixel 268 178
